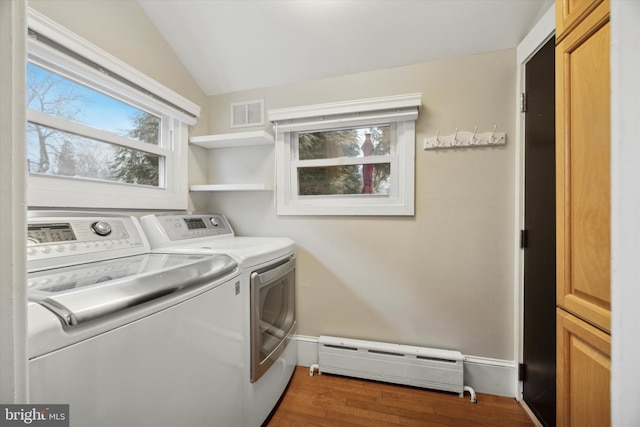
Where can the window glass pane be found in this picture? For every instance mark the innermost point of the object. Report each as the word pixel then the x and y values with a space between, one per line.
pixel 350 179
pixel 54 152
pixel 357 142
pixel 58 96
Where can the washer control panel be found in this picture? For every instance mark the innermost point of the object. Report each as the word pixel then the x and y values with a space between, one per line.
pixel 171 228
pixel 52 238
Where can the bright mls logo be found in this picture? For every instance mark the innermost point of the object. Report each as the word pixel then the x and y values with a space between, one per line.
pixel 35 415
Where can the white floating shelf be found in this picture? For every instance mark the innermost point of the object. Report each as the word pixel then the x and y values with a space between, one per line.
pixel 229 140
pixel 231 187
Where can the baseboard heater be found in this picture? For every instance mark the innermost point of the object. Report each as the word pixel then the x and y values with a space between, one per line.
pixel 393 363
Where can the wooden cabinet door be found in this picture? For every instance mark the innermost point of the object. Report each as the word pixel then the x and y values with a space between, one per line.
pixel 583 171
pixel 584 372
pixel 570 13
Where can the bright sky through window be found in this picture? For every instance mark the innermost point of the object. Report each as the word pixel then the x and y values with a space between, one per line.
pixel 82 105
pixel 56 148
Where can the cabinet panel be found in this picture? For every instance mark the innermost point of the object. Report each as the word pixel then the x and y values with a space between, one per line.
pixel 583 170
pixel 570 13
pixel 584 371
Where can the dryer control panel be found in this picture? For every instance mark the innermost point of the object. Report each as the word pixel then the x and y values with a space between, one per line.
pixel 179 227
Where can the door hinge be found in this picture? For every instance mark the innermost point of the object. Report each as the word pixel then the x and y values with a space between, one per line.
pixel 522 372
pixel 524 239
pixel 523 102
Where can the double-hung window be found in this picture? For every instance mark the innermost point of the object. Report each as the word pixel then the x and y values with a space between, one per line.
pixel 100 133
pixel 350 158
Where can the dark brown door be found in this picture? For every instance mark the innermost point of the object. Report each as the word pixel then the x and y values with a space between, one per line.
pixel 539 355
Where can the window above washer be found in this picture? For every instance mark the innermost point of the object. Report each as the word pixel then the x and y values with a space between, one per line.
pixel 100 133
pixel 347 158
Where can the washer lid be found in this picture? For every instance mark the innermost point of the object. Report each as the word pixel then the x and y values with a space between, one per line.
pixel 85 292
pixel 248 251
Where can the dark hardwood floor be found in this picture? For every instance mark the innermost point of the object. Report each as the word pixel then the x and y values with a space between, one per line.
pixel 328 400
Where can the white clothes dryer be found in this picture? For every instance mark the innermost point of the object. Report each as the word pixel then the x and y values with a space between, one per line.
pixel 268 288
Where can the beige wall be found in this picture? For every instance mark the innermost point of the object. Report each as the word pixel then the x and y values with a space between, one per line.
pixel 443 278
pixel 123 29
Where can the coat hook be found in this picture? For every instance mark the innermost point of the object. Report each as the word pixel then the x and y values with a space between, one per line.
pixel 492 137
pixel 472 140
pixel 454 141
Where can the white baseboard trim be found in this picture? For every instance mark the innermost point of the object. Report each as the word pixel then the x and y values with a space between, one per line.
pixel 491 376
pixel 485 375
pixel 307 349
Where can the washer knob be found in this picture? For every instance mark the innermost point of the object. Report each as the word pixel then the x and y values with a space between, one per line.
pixel 101 228
pixel 214 221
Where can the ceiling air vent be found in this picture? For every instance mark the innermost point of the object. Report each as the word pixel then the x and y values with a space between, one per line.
pixel 249 113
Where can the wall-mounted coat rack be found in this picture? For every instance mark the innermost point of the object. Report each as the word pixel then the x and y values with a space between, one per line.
pixel 465 139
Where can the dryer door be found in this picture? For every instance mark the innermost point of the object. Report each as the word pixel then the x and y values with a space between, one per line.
pixel 273 319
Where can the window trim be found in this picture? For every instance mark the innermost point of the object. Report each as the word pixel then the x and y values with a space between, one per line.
pixel 132 87
pixel 399 111
pixel 59 34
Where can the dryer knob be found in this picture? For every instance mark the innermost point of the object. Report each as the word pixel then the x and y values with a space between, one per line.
pixel 101 228
pixel 214 221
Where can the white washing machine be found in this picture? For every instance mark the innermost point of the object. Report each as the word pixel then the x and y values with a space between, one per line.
pixel 268 289
pixel 127 337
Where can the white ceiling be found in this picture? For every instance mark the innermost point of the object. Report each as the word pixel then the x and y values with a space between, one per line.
pixel 235 45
